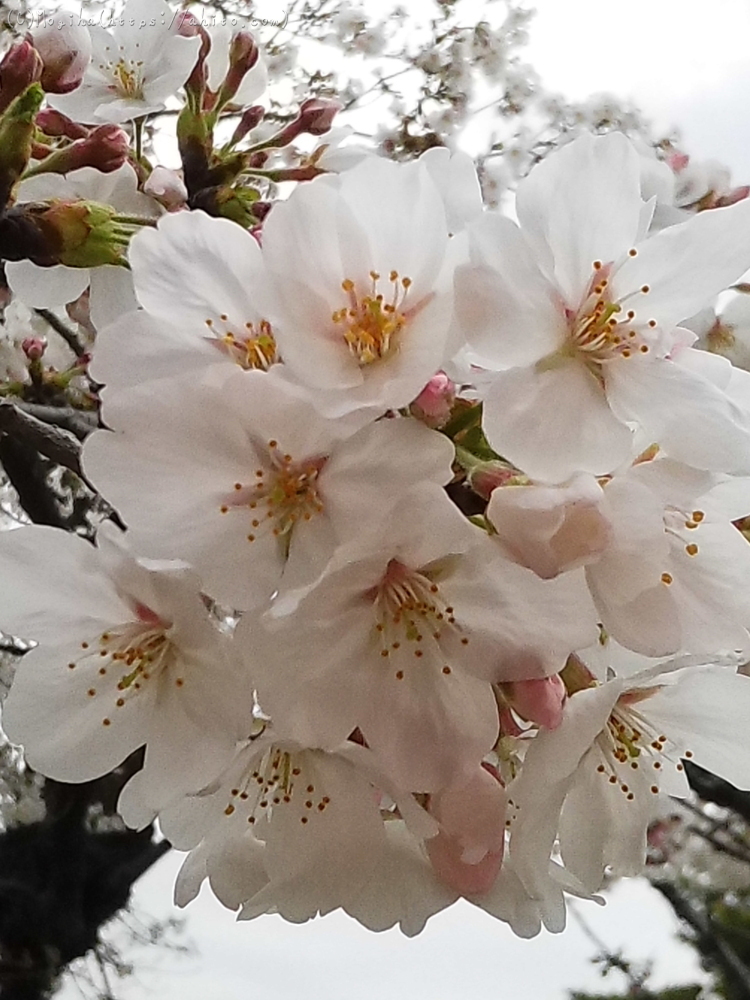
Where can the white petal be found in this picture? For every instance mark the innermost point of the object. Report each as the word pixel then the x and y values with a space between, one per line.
pixel 686 265
pixel 682 411
pixel 46 287
pixel 554 423
pixel 112 295
pixel 582 204
pixel 52 585
pixel 504 304
pixel 706 712
pixel 194 268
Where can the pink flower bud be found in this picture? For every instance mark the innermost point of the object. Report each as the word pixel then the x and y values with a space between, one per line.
pixel 20 67
pixel 250 120
pixel 540 701
pixel 434 403
pixel 468 851
pixel 489 476
pixel 445 857
pixel 316 115
pixel 34 348
pixel 243 55
pixel 65 49
pixel 167 187
pixel 678 161
pixel 56 124
pixel 106 148
pixel 186 25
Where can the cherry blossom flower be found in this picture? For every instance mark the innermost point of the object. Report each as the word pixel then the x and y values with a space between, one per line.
pixel 401 637
pixel 299 831
pixel 127 656
pixel 675 574
pixel 576 312
pixel 201 285
pixel 666 567
pixel 362 300
pixel 251 482
pixel 134 68
pixel 619 745
pixel 111 287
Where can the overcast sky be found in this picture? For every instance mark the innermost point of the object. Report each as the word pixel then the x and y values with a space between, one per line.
pixel 685 62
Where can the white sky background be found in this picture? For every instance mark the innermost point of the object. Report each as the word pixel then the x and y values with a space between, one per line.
pixel 685 62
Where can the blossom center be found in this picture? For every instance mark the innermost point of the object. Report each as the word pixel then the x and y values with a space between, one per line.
pixel 277 781
pixel 139 652
pixel 127 74
pixel 603 328
pixel 413 621
pixel 253 348
pixel 371 323
pixel 629 740
pixel 281 495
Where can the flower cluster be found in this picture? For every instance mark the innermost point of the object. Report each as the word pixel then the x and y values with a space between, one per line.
pixel 431 580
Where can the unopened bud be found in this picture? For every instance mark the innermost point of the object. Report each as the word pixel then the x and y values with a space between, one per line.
pixel 34 348
pixel 540 701
pixel 261 209
pixel 243 55
pixel 77 233
pixel 258 160
pixel 434 403
pixel 106 148
pixel 488 476
pixel 20 67
pixel 186 25
pixel 54 123
pixel 251 119
pixel 195 86
pixel 467 852
pixel 167 187
pixel 678 161
pixel 16 137
pixel 316 115
pixel 65 49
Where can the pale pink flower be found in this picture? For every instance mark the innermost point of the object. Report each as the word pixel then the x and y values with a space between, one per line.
pixel 592 780
pixel 127 655
pixel 362 298
pixel 576 311
pixel 202 290
pixel 401 637
pixel 249 482
pixel 468 850
pixel 134 69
